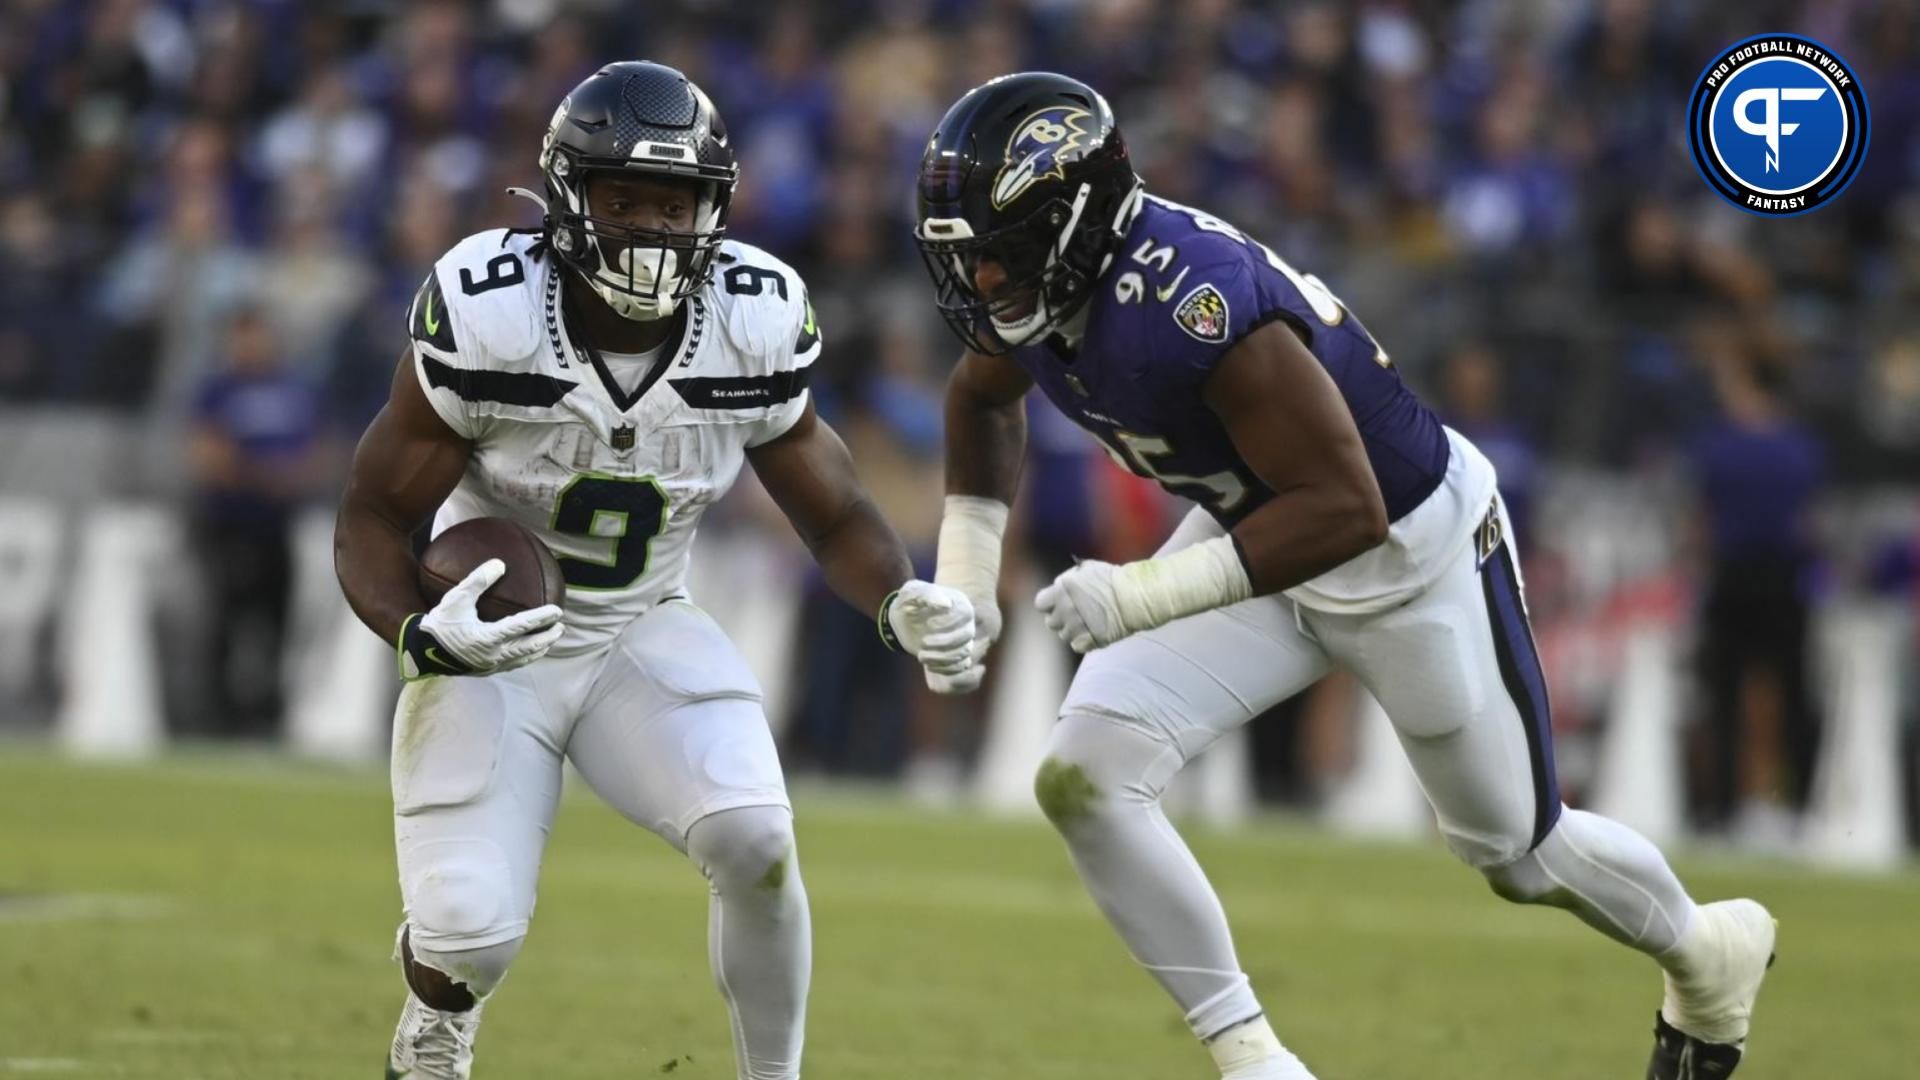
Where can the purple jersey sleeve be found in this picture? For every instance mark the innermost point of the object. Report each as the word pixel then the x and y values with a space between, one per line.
pixel 1184 289
pixel 1220 296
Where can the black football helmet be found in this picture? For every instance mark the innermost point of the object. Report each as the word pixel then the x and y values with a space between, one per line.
pixel 1028 171
pixel 647 118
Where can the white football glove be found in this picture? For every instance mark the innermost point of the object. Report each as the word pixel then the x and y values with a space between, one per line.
pixel 1095 604
pixel 934 625
pixel 1082 606
pixel 986 631
pixel 452 639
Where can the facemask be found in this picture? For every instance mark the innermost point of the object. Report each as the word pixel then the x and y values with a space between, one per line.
pixel 652 272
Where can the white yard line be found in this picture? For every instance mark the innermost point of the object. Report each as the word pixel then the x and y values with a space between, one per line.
pixel 81 907
pixel 164 1036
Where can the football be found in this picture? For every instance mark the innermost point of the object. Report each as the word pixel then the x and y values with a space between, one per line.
pixel 533 574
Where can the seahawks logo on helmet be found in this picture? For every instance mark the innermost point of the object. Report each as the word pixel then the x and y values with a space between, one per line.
pixel 1040 147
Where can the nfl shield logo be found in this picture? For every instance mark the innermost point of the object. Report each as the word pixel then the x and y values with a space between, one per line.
pixel 623 437
pixel 1078 386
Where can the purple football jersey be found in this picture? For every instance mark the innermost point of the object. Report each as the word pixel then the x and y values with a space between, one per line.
pixel 1183 289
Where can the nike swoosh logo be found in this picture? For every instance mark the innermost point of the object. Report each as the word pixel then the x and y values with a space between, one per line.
pixel 1167 293
pixel 433 654
pixel 433 324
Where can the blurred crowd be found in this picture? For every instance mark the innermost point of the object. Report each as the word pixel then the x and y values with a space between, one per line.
pixel 213 213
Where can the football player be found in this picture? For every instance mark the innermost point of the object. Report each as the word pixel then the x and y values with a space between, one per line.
pixel 1337 523
pixel 600 380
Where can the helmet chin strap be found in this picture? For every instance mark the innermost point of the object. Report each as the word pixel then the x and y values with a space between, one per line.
pixel 1020 330
pixel 1074 327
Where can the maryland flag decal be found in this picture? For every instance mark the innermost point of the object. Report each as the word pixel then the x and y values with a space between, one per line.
pixel 1203 314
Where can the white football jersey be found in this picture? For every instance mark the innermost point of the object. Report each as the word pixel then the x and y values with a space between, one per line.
pixel 613 482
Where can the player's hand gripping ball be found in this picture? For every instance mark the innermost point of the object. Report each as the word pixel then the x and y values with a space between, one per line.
pixel 496 592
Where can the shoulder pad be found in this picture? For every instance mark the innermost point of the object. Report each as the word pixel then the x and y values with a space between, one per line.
pixel 763 304
pixel 428 321
pixel 488 285
pixel 1188 321
pixel 1198 239
pixel 1212 284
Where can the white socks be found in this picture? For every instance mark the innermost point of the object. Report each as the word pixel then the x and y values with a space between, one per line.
pixel 1251 1051
pixel 1715 972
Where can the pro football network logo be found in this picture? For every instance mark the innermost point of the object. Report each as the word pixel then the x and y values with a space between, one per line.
pixel 1778 124
pixel 1040 147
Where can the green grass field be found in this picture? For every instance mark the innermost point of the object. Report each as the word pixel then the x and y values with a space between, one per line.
pixel 221 917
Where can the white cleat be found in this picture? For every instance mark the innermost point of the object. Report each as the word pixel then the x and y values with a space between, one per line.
pixel 433 1045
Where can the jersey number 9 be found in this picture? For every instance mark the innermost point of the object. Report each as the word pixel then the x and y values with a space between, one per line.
pixel 626 511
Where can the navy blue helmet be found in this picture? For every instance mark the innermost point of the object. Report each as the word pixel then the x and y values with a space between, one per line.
pixel 637 117
pixel 1028 171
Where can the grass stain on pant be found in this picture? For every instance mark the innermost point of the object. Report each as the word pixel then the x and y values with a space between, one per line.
pixel 1065 793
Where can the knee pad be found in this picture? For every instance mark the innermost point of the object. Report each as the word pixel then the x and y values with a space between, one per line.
pixel 460 891
pixel 469 974
pixel 1093 761
pixel 747 847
